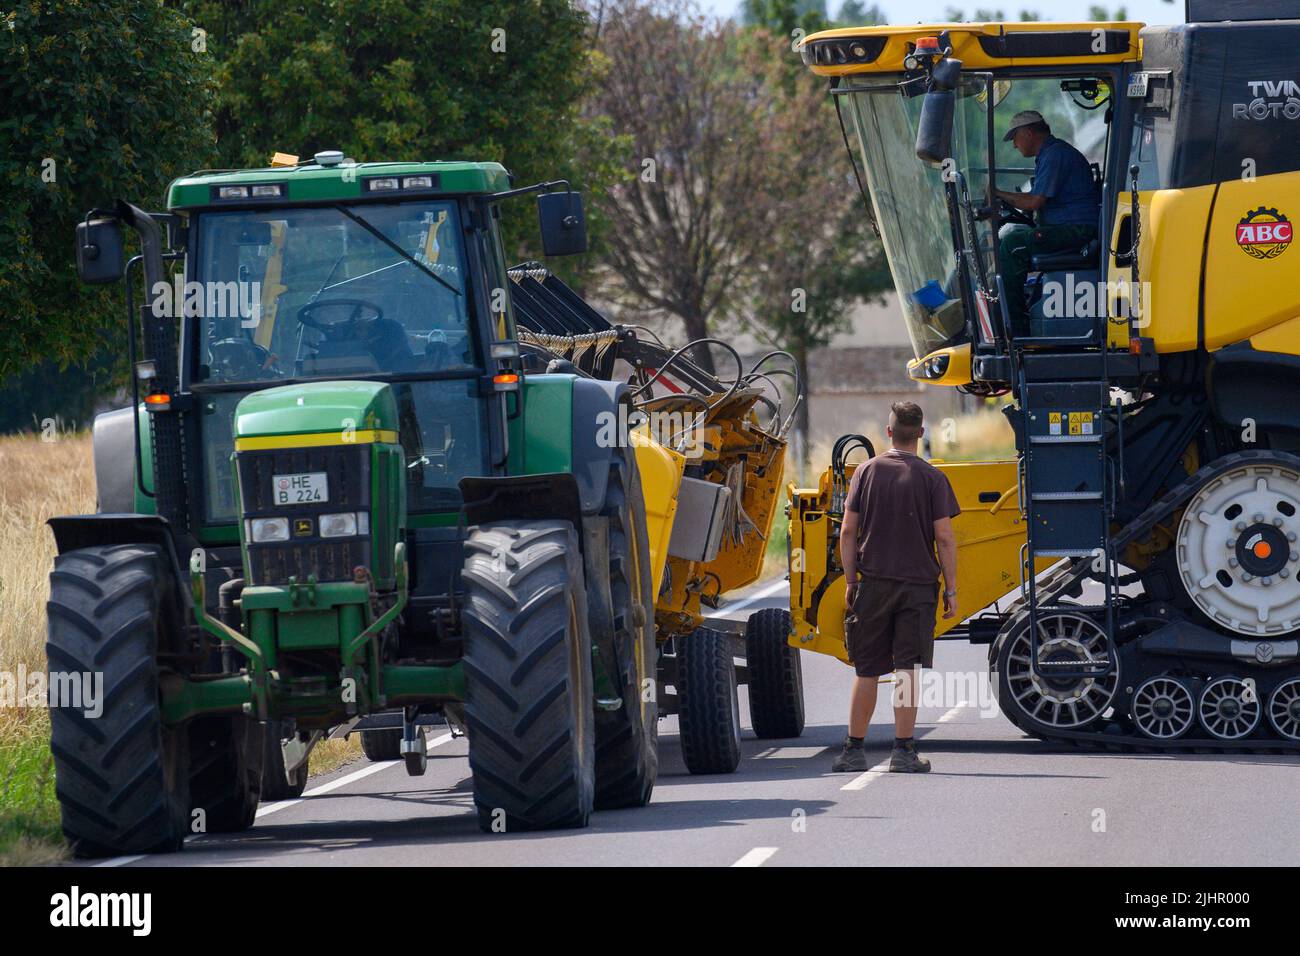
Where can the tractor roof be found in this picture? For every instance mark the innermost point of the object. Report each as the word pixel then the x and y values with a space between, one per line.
pixel 978 45
pixel 312 182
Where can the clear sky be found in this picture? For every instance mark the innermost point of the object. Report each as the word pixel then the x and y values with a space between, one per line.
pixel 932 11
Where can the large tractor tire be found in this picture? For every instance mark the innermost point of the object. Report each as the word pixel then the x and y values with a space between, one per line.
pixel 381 744
pixel 528 684
pixel 225 772
pixel 627 740
pixel 122 779
pixel 275 785
pixel 775 676
pixel 708 710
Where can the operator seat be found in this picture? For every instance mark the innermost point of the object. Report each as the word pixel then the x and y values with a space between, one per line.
pixel 1067 272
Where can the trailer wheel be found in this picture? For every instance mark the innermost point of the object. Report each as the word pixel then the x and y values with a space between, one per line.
pixel 225 771
pixel 708 710
pixel 527 664
pixel 627 740
pixel 122 779
pixel 275 786
pixel 381 744
pixel 775 675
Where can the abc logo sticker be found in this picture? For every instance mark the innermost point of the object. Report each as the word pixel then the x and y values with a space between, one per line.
pixel 1264 233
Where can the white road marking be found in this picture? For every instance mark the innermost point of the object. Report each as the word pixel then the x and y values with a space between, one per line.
pixel 865 779
pixel 342 781
pixel 757 856
pixel 758 595
pixel 861 781
pixel 790 753
pixel 120 860
pixel 954 712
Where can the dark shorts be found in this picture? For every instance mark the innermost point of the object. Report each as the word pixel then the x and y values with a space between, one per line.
pixel 894 628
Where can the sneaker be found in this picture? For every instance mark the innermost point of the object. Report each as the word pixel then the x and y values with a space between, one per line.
pixel 905 759
pixel 852 759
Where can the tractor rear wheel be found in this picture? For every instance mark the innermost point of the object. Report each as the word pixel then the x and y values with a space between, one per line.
pixel 381 744
pixel 708 710
pixel 528 684
pixel 775 676
pixel 627 740
pixel 122 779
pixel 225 771
pixel 275 786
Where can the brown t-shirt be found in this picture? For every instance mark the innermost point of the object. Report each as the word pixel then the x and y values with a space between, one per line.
pixel 898 498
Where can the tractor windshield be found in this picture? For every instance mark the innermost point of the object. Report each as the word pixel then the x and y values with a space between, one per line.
pixel 303 293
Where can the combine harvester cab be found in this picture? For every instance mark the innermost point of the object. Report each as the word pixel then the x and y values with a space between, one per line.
pixel 1146 572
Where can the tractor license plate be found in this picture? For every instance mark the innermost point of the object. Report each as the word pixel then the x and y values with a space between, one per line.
pixel 308 489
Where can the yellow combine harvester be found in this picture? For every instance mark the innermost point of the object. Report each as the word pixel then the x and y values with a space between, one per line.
pixel 1145 537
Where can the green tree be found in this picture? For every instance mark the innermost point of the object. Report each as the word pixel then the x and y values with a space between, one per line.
pixel 102 100
pixel 410 79
pixel 856 13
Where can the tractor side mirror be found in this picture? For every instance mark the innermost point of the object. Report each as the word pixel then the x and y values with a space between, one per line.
pixel 99 251
pixel 564 226
pixel 934 127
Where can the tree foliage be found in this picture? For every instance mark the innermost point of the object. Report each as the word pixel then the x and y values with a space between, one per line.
pixel 102 101
pixel 751 218
pixel 408 80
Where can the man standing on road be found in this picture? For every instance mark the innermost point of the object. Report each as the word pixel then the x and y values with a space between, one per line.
pixel 899 507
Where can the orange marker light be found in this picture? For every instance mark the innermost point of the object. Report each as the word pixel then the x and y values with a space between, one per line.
pixel 158 398
pixel 505 378
pixel 927 44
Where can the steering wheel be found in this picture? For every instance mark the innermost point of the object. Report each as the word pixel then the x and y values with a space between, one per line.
pixel 345 328
pixel 1001 212
pixel 238 359
pixel 1009 213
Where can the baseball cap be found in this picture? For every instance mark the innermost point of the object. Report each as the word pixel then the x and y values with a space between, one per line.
pixel 1023 118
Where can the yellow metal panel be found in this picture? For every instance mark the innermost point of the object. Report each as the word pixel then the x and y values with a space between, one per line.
pixel 1171 241
pixel 1280 338
pixel 966 46
pixel 989 534
pixel 362 436
pixel 957 372
pixel 661 478
pixel 1250 287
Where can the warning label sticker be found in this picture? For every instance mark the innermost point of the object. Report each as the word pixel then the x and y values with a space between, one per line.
pixel 1054 423
pixel 1080 423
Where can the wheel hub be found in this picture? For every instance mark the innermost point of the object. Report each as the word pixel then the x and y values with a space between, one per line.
pixel 1284 709
pixel 1229 708
pixel 1056 701
pixel 1163 708
pixel 1238 551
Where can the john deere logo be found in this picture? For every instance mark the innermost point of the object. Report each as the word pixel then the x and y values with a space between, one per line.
pixel 301 527
pixel 1264 233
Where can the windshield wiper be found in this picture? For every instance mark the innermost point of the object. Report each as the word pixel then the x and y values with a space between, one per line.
pixel 398 249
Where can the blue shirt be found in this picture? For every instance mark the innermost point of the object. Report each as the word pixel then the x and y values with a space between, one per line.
pixel 1063 177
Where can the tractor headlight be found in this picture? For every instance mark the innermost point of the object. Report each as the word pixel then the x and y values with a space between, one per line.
pixel 262 530
pixel 345 524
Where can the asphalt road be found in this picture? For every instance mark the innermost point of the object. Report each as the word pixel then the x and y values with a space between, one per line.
pixel 994 797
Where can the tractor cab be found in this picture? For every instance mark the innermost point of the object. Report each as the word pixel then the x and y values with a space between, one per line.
pixel 926 111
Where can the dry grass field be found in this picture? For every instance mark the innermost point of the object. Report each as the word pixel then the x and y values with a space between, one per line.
pixel 40 479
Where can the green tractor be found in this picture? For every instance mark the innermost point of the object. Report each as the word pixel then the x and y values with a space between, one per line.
pixel 339 501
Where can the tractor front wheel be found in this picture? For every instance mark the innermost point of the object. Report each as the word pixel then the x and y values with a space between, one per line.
pixel 225 772
pixel 122 775
pixel 381 744
pixel 275 785
pixel 528 683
